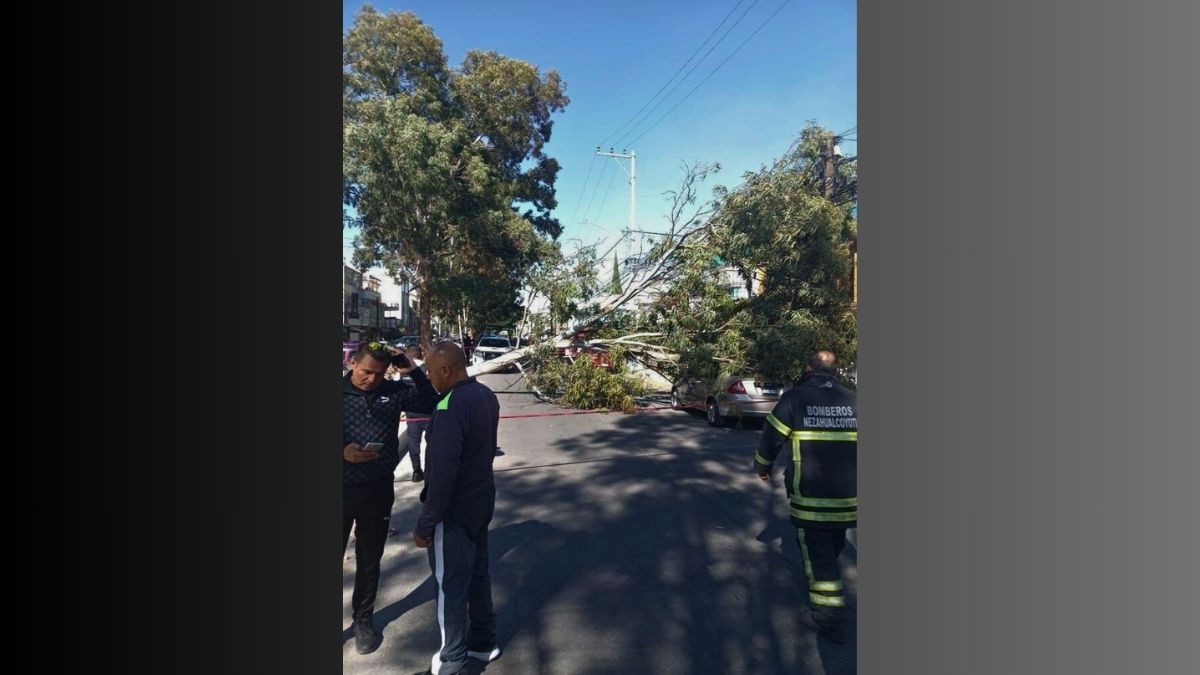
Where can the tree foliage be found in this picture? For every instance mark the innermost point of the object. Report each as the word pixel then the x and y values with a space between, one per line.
pixel 582 384
pixel 444 168
pixel 787 245
pixel 614 286
pixel 566 281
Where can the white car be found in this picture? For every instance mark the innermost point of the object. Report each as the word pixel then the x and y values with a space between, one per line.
pixel 489 348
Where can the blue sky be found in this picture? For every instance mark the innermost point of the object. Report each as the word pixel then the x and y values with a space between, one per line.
pixel 614 55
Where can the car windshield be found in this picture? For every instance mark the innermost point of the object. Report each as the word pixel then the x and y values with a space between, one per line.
pixel 494 342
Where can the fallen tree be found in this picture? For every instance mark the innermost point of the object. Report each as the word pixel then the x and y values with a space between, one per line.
pixel 784 236
pixel 689 221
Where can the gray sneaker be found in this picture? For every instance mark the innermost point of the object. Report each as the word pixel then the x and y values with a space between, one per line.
pixel 486 655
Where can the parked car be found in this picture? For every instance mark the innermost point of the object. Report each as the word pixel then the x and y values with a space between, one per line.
pixel 489 348
pixel 579 349
pixel 729 398
pixel 406 342
pixel 850 374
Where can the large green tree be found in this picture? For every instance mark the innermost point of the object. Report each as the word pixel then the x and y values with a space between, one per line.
pixel 444 168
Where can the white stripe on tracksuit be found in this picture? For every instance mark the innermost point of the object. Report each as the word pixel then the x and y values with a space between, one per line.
pixel 439 555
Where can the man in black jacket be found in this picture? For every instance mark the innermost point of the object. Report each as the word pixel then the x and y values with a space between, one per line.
pixel 459 499
pixel 371 407
pixel 818 421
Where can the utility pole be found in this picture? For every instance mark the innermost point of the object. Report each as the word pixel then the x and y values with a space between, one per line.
pixel 830 167
pixel 830 154
pixel 632 173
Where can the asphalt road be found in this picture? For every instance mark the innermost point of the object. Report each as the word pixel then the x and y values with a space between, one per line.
pixel 638 543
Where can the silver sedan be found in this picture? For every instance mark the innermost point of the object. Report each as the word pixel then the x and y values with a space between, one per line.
pixel 728 399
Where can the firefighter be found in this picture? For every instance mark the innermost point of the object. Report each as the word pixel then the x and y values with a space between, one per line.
pixel 817 422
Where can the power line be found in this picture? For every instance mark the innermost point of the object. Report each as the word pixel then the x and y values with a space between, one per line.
pixel 595 189
pixel 685 63
pixel 689 73
pixel 604 199
pixel 596 224
pixel 583 189
pixel 616 243
pixel 714 70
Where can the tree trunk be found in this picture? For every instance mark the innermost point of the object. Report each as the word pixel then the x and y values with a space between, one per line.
pixel 424 308
pixel 524 317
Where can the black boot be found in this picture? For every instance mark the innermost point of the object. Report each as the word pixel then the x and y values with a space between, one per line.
pixel 366 638
pixel 831 623
pixel 418 476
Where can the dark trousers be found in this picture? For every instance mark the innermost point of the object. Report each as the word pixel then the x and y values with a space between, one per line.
pixel 820 549
pixel 459 560
pixel 415 431
pixel 369 506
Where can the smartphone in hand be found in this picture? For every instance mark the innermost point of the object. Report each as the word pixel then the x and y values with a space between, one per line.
pixel 373 448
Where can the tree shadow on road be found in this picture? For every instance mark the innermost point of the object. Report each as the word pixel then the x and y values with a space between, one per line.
pixel 671 554
pixel 501 540
pixel 653 548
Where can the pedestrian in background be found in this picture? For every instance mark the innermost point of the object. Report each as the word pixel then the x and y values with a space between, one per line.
pixel 417 424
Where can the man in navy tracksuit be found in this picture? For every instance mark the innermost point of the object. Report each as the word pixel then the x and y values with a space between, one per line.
pixel 371 407
pixel 459 499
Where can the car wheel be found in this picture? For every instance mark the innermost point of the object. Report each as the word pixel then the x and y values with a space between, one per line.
pixel 714 415
pixel 675 404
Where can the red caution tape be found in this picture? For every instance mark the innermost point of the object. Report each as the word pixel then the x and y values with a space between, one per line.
pixel 563 413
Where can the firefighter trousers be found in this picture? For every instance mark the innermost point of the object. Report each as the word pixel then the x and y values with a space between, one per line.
pixel 820 550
